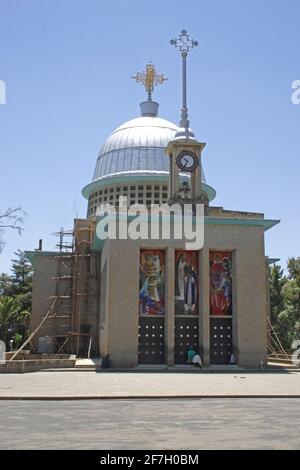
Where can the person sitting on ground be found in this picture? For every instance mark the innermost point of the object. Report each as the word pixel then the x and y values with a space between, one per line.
pixel 190 354
pixel 232 359
pixel 106 361
pixel 197 360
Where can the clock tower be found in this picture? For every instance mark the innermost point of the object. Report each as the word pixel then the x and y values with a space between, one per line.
pixel 185 161
pixel 184 150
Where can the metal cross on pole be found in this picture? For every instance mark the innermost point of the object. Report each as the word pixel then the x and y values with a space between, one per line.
pixel 184 43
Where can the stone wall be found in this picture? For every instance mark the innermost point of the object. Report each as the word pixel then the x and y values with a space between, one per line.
pixel 249 296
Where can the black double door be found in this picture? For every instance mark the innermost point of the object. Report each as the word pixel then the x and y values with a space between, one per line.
pixel 186 335
pixel 151 347
pixel 151 340
pixel 220 340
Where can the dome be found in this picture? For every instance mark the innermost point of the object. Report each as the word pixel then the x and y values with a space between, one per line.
pixel 133 163
pixel 137 147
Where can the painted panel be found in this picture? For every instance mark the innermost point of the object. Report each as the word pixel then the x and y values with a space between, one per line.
pixel 152 282
pixel 220 295
pixel 186 282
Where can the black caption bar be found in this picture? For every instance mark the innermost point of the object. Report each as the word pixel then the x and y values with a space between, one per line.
pixel 133 458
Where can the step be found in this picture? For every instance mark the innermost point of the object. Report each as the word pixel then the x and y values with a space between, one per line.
pixel 84 363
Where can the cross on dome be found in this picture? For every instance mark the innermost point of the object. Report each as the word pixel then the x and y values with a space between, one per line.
pixel 149 79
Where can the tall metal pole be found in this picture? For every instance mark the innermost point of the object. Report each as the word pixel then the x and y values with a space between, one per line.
pixel 184 43
pixel 184 110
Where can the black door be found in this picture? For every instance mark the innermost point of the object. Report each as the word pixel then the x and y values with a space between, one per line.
pixel 151 340
pixel 220 340
pixel 186 335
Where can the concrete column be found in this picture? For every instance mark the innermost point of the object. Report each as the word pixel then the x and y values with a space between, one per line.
pixel 105 272
pixel 235 303
pixel 194 184
pixel 197 179
pixel 173 177
pixel 268 302
pixel 171 182
pixel 204 331
pixel 249 306
pixel 169 305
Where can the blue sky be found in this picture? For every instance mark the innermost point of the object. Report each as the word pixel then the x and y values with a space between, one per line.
pixel 68 64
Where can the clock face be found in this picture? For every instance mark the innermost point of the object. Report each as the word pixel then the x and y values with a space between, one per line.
pixel 187 161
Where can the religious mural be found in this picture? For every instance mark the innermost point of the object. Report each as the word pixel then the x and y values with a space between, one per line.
pixel 152 282
pixel 220 295
pixel 186 282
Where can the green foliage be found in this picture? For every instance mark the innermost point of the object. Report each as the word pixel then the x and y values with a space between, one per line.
pixel 6 285
pixel 9 308
pixel 17 340
pixel 15 297
pixel 294 269
pixel 277 281
pixel 22 269
pixel 285 302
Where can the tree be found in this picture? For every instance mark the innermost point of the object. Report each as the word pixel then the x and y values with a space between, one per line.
pixel 21 268
pixel 12 219
pixel 6 285
pixel 22 279
pixel 291 297
pixel 19 283
pixel 19 287
pixel 285 302
pixel 9 307
pixel 293 266
pixel 277 281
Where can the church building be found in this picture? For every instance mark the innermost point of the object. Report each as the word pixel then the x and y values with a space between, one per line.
pixel 148 301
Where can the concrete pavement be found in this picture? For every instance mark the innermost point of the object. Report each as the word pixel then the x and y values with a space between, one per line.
pixel 84 385
pixel 151 424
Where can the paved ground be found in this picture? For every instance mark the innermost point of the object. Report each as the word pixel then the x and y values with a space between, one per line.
pixel 151 424
pixel 76 384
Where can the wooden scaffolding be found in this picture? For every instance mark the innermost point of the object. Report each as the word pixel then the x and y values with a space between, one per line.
pixel 72 319
pixel 75 315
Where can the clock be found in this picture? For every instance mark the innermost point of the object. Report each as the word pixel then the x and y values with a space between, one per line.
pixel 187 161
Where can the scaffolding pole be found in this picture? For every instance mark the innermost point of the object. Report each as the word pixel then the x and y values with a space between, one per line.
pixel 75 299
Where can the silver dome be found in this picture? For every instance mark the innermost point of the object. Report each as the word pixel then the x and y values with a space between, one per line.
pixel 136 147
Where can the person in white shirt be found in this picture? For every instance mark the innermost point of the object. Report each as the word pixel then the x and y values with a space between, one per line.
pixel 197 361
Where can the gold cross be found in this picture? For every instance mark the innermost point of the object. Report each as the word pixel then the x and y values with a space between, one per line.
pixel 149 79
